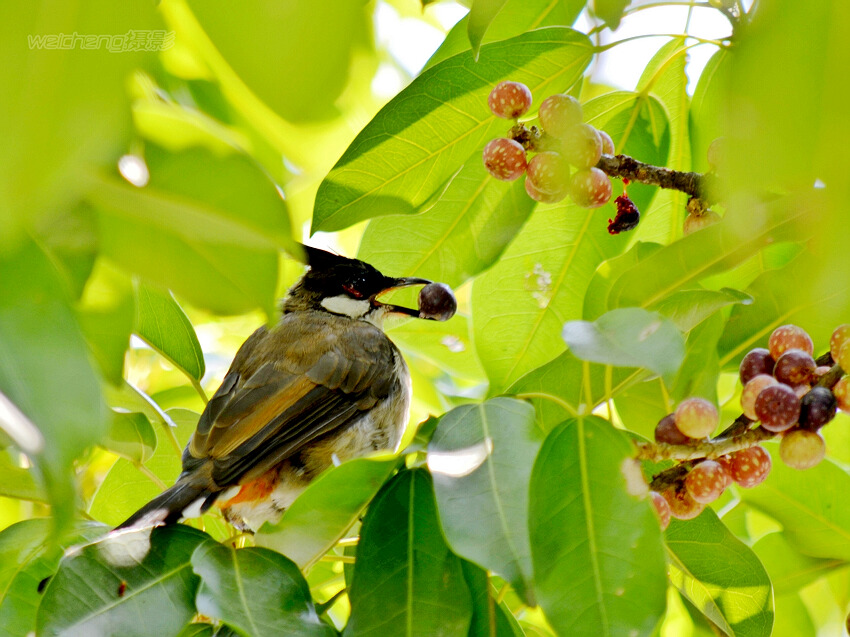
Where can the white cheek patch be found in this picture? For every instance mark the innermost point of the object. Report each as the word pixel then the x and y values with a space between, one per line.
pixel 345 305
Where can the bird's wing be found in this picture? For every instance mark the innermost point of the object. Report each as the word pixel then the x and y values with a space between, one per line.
pixel 286 388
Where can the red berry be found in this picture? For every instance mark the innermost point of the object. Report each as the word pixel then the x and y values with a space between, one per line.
pixel 840 336
pixel 777 407
pixel 549 173
pixel 757 361
pixel 751 391
pixel 682 505
pixel 789 337
pixel 668 433
pixel 582 147
pixel 802 449
pixel 698 222
pixel 843 359
pixel 590 188
pixel 505 159
pixel 559 114
pixel 696 417
pixel 509 100
pixel 706 481
pixel 841 391
pixel 542 197
pixel 794 367
pixel 726 463
pixel 607 142
pixel 817 408
pixel 750 466
pixel 661 508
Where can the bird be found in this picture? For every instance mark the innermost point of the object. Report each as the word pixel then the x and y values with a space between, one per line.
pixel 323 385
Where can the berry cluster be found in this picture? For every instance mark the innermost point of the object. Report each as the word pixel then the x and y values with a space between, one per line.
pixel 781 391
pixel 567 166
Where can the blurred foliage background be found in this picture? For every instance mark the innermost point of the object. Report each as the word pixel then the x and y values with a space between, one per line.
pixel 152 189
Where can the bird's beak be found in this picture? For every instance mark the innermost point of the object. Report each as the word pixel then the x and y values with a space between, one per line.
pixel 402 282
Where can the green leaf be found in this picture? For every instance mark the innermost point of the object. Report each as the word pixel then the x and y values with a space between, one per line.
pixel 515 17
pixel 416 143
pixel 256 591
pixel 45 371
pixel 808 504
pixel 27 557
pixel 106 312
pixel 489 619
pixel 689 308
pixel 329 506
pixel 131 435
pixel 611 11
pixel 792 617
pixel 707 106
pixel 790 571
pixel 629 337
pixel 461 235
pixel 110 587
pixel 70 238
pixel 406 580
pixel 741 234
pixel 296 57
pixel 17 482
pixel 720 575
pixel 481 14
pixel 448 345
pixel 480 458
pixel 163 325
pixel 598 560
pixel 596 299
pixel 699 371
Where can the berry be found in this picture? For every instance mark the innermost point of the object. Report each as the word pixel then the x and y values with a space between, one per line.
pixel 682 505
pixel 437 302
pixel 789 337
pixel 559 114
pixel 590 188
pixel 751 391
pixel 542 197
pixel 661 508
pixel 582 147
pixel 667 432
pixel 802 449
pixel 505 159
pixel 841 391
pixel 706 481
pixel 757 361
pixel 627 217
pixel 794 367
pixel 716 152
pixel 749 467
pixel 843 359
pixel 696 417
pixel 549 173
pixel 509 100
pixel 838 338
pixel 777 407
pixel 607 142
pixel 726 463
pixel 817 408
pixel 801 390
pixel 698 222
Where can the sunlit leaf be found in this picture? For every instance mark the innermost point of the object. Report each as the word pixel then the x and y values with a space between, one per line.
pixel 17 482
pixel 131 435
pixel 688 308
pixel 611 11
pixel 480 16
pixel 598 558
pixel 789 570
pixel 489 619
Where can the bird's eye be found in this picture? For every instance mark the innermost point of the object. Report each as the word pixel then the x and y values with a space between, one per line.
pixel 353 291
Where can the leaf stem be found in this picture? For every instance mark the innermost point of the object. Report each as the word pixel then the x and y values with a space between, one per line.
pixel 541 395
pixel 719 43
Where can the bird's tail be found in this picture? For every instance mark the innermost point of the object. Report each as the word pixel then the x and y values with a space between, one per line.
pixel 185 499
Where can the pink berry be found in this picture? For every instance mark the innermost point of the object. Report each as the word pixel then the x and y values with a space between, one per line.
pixel 505 159
pixel 542 197
pixel 778 407
pixel 661 508
pixel 509 100
pixel 843 358
pixel 681 503
pixel 582 146
pixel 789 337
pixel 794 367
pixel 841 391
pixel 696 417
pixel 706 481
pixel 751 391
pixel 840 336
pixel 549 173
pixel 590 188
pixel 750 466
pixel 668 433
pixel 559 114
pixel 607 142
pixel 757 361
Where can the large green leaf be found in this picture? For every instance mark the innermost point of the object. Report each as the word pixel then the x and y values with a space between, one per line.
pixel 460 236
pixel 447 345
pixel 606 275
pixel 163 325
pixel 481 14
pixel 628 337
pixel 598 558
pixel 809 505
pixel 480 458
pixel 27 556
pixel 256 591
pixel 515 17
pixel 131 435
pixel 611 11
pixel 689 308
pixel 45 371
pixel 406 580
pixel 129 583
pixel 790 571
pixel 17 482
pixel 699 371
pixel 329 506
pixel 707 106
pixel 418 141
pixel 720 575
pixel 489 619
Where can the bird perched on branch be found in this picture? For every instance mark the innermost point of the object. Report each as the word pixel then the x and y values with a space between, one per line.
pixel 323 385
